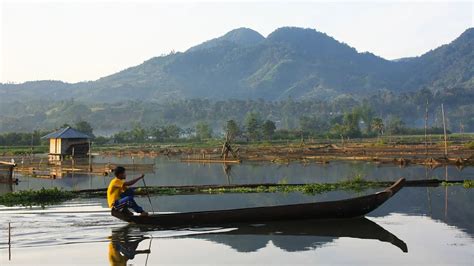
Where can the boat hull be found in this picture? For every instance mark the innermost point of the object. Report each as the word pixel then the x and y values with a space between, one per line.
pixel 348 208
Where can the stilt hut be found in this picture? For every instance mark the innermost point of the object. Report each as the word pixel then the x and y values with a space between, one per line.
pixel 65 141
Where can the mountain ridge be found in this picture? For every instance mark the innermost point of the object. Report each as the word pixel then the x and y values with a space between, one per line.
pixel 290 62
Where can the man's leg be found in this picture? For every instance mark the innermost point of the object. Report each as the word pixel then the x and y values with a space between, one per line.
pixel 129 202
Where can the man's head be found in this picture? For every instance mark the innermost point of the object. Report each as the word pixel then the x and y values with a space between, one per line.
pixel 120 173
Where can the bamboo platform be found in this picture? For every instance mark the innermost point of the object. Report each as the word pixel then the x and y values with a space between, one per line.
pixel 211 161
pixel 46 170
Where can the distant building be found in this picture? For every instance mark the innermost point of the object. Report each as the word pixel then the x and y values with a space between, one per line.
pixel 65 141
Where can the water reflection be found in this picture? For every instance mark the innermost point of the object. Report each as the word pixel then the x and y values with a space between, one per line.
pixel 172 172
pixel 123 246
pixel 293 236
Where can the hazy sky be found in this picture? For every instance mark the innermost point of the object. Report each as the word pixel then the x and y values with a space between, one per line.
pixel 84 40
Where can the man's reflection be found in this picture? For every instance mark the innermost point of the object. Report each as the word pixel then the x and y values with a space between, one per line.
pixel 123 246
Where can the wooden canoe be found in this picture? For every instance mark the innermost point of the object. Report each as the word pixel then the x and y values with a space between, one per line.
pixel 347 208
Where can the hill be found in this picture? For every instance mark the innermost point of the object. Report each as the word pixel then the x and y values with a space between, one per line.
pixel 290 62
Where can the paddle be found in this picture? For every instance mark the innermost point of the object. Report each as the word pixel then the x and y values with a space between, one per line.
pixel 149 249
pixel 147 194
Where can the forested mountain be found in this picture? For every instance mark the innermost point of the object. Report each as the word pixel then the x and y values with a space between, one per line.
pixel 290 62
pixel 290 75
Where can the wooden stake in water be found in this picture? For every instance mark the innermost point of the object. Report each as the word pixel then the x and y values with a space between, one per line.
pixel 9 243
pixel 445 137
pixel 90 157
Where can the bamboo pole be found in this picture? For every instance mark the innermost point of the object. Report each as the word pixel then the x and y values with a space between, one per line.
pixel 426 129
pixel 445 137
pixel 9 242
pixel 90 157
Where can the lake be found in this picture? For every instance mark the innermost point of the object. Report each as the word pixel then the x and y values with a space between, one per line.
pixel 417 226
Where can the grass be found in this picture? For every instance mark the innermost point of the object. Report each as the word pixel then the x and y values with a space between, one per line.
pixel 40 197
pixel 20 150
pixel 470 145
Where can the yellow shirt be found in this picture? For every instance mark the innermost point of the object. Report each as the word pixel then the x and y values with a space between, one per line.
pixel 116 187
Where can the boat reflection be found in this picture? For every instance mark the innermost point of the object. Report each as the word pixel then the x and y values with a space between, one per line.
pixel 123 245
pixel 301 235
pixel 290 236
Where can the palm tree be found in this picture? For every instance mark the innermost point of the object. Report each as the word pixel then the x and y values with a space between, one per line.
pixel 377 124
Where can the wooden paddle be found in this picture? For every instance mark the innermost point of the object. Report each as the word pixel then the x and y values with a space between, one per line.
pixel 147 194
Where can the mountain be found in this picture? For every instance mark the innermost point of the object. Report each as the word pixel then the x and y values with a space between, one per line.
pixel 290 62
pixel 448 66
pixel 241 37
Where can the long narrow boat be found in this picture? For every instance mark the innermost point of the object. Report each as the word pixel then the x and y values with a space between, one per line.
pixel 347 208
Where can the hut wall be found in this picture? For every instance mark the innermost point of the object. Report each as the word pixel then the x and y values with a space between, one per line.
pixel 81 147
pixel 55 146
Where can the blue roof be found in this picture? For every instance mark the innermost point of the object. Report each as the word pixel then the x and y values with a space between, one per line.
pixel 67 133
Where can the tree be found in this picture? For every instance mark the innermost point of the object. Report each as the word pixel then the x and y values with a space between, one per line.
pixel 313 125
pixel 171 131
pixel 268 129
pixel 203 131
pixel 351 124
pixel 395 125
pixel 84 127
pixel 138 134
pixel 365 114
pixel 377 125
pixel 252 125
pixel 231 129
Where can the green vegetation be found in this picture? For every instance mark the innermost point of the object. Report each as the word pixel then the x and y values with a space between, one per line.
pixel 231 129
pixel 22 139
pixel 22 150
pixel 52 196
pixel 84 127
pixel 40 197
pixel 304 81
pixel 468 184
pixel 470 145
pixel 203 131
pixel 290 62
pixel 357 185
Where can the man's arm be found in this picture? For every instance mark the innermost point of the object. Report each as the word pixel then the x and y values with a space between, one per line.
pixel 133 181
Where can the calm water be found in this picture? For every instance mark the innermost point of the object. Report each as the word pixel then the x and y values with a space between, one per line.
pixel 417 226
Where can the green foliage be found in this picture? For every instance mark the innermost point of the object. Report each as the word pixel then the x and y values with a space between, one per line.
pixel 296 72
pixel 470 145
pixel 268 129
pixel 84 127
pixel 378 125
pixel 395 125
pixel 349 126
pixel 231 129
pixel 365 114
pixel 468 184
pixel 35 198
pixel 22 139
pixel 314 125
pixel 252 125
pixel 203 131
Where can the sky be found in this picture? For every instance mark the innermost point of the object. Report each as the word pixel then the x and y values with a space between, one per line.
pixel 84 40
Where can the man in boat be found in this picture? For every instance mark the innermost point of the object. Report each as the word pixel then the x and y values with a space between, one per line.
pixel 120 195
